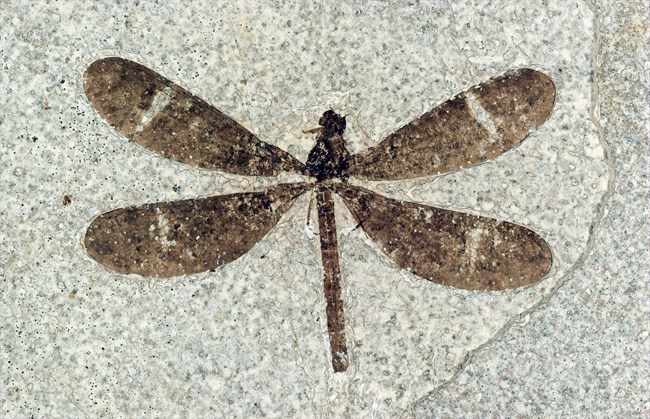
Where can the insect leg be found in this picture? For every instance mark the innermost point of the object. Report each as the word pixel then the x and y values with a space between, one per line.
pixel 332 279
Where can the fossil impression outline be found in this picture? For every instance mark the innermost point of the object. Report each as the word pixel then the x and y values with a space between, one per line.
pixel 452 248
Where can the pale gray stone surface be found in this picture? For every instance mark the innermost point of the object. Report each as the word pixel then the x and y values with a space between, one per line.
pixel 585 352
pixel 250 339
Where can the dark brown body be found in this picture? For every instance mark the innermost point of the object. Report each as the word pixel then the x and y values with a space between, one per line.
pixel 327 162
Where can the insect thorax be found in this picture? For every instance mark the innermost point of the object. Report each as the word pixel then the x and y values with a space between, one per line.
pixel 329 157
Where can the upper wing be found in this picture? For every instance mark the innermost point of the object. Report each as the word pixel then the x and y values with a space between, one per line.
pixel 448 247
pixel 165 118
pixel 475 126
pixel 183 237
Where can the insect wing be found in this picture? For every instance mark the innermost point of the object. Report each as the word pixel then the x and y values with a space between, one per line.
pixel 183 237
pixel 448 247
pixel 167 119
pixel 477 125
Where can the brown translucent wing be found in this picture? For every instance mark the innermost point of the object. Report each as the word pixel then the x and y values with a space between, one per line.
pixel 167 119
pixel 448 247
pixel 475 126
pixel 183 237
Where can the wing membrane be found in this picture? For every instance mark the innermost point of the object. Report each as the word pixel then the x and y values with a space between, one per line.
pixel 167 119
pixel 475 126
pixel 183 237
pixel 448 247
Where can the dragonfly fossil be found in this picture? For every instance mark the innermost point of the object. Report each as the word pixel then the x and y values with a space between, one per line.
pixel 466 251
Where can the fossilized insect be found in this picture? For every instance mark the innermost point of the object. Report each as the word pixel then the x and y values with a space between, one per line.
pixel 446 247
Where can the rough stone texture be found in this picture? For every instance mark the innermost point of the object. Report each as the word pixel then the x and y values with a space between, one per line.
pixel 585 352
pixel 79 340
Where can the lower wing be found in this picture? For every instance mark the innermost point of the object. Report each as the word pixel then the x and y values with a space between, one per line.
pixel 448 247
pixel 184 237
